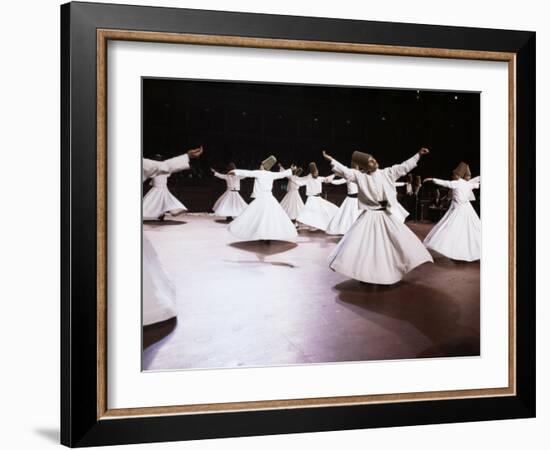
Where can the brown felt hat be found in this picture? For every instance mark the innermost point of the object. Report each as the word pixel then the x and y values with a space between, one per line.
pixel 231 166
pixel 313 169
pixel 269 162
pixel 360 159
pixel 462 170
pixel 297 171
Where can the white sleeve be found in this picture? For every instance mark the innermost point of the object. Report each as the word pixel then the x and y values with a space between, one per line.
pixel 245 173
pixel 443 183
pixel 337 182
pixel 399 170
pixel 220 175
pixel 284 174
pixel 475 182
pixel 343 171
pixel 152 168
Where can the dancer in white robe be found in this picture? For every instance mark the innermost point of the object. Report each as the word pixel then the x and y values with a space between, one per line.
pixel 230 204
pixel 348 212
pixel 158 292
pixel 292 202
pixel 458 234
pixel 379 248
pixel 317 212
pixel 263 218
pixel 159 200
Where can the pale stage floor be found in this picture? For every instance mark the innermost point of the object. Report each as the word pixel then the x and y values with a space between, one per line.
pixel 254 304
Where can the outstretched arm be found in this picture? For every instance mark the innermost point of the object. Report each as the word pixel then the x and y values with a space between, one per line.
pixel 243 173
pixel 336 181
pixel 399 170
pixel 340 169
pixel 218 175
pixel 437 181
pixel 152 168
pixel 283 174
pixel 475 182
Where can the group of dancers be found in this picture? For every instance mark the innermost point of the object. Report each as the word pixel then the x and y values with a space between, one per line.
pixel 377 247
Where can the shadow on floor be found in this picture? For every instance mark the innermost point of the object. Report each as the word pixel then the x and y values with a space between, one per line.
pixel 432 312
pixel 261 260
pixel 264 248
pixel 162 223
pixel 50 434
pixel 158 331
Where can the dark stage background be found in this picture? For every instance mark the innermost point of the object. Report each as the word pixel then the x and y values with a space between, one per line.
pixel 246 122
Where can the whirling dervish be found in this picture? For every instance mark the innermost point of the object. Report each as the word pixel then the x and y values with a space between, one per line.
pixel 292 202
pixel 230 204
pixel 264 218
pixel 349 209
pixel 158 292
pixel 379 248
pixel 159 201
pixel 458 234
pixel 317 212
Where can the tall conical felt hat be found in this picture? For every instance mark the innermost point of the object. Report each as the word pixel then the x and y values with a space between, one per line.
pixel 269 162
pixel 462 170
pixel 360 159
pixel 313 169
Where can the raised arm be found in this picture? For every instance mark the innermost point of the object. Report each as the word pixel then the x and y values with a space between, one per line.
pixel 399 170
pixel 153 168
pixel 340 169
pixel 218 175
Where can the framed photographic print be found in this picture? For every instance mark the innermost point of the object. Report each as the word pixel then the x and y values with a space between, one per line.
pixel 277 224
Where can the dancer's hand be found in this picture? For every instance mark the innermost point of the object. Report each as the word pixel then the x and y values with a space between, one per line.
pixel 195 153
pixel 427 180
pixel 423 151
pixel 212 170
pixel 327 156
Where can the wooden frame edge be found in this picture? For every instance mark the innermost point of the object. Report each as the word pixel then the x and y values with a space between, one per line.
pixel 104 35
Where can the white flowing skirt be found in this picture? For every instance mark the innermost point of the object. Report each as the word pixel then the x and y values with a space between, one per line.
pixel 458 234
pixel 158 201
pixel 317 213
pixel 263 219
pixel 159 295
pixel 345 217
pixel 230 204
pixel 293 204
pixel 378 249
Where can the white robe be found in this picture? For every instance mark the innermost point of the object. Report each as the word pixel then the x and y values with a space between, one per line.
pixel 317 212
pixel 458 234
pixel 230 203
pixel 292 202
pixel 263 218
pixel 348 212
pixel 379 248
pixel 159 200
pixel 159 296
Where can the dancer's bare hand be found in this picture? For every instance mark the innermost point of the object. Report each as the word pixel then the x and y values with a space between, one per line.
pixel 428 180
pixel 327 156
pixel 212 170
pixel 195 153
pixel 423 151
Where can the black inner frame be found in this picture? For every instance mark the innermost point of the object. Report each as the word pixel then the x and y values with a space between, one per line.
pixel 79 424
